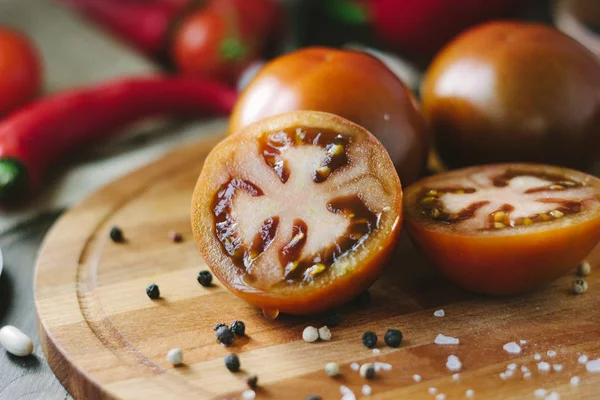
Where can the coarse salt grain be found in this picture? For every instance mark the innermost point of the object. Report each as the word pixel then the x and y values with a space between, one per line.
pixel 511 367
pixel 453 363
pixel 432 390
pixel 417 378
pixel 553 396
pixel 346 393
pixel 366 390
pixel 575 381
pixel 540 393
pixel 508 373
pixel 527 375
pixel 551 353
pixel 443 339
pixel 523 341
pixel 175 356
pixel 582 359
pixel 355 366
pixel 537 357
pixel 324 333
pixel 470 393
pixel 455 377
pixel 557 367
pixel 381 366
pixel 543 366
pixel 310 334
pixel 440 396
pixel 512 348
pixel 524 368
pixel 439 313
pixel 503 376
pixel 593 365
pixel 248 395
pixel 376 351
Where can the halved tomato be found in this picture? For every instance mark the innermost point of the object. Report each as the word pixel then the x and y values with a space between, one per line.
pixel 505 228
pixel 297 213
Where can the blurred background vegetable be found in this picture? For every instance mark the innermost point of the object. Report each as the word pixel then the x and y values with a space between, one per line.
pixel 20 70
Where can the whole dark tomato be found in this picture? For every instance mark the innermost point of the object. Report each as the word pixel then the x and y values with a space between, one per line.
pixel 214 44
pixel 504 228
pixel 507 91
pixel 20 71
pixel 290 216
pixel 353 85
pixel 421 27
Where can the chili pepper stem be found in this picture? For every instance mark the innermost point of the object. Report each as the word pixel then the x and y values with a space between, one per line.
pixel 13 179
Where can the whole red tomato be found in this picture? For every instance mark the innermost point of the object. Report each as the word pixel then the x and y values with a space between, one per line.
pixel 20 70
pixel 265 18
pixel 508 91
pixel 351 84
pixel 421 27
pixel 214 44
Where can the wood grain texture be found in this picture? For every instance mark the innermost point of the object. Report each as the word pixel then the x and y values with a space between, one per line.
pixel 104 338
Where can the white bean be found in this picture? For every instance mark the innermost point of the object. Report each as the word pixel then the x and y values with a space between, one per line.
pixel 15 341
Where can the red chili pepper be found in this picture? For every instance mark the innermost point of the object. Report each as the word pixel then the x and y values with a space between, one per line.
pixel 144 24
pixel 36 137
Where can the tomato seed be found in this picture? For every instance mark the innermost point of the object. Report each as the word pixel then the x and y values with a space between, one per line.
pixel 584 268
pixel 579 286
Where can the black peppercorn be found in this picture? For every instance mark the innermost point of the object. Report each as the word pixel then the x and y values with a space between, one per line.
pixel 393 338
pixel 175 236
pixel 152 291
pixel 232 362
pixel 218 325
pixel 369 339
pixel 362 300
pixel 252 381
pixel 238 328
pixel 314 397
pixel 332 320
pixel 224 335
pixel 116 235
pixel 205 278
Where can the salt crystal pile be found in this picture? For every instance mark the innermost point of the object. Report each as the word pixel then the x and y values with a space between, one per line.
pixel 453 363
pixel 512 348
pixel 442 339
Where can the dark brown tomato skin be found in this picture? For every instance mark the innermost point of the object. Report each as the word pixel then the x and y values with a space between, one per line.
pixel 501 264
pixel 353 85
pixel 506 91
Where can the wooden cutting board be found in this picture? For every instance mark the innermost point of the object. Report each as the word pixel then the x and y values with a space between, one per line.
pixel 104 338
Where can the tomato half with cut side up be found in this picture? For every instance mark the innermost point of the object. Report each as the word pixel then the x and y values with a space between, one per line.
pixel 297 213
pixel 504 228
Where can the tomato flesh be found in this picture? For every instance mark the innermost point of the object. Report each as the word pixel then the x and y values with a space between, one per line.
pixel 290 216
pixel 506 228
